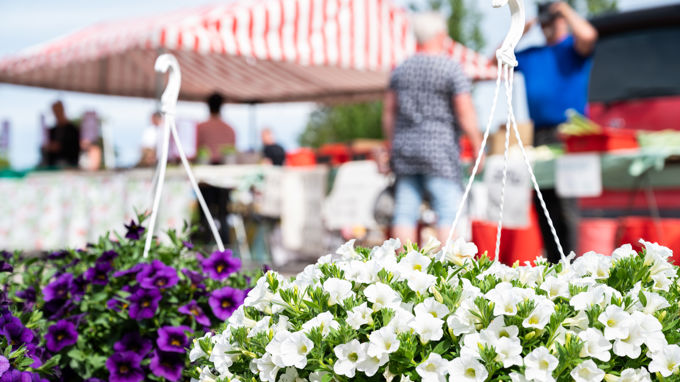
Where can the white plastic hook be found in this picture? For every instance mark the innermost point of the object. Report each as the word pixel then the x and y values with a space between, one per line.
pixel 506 53
pixel 164 63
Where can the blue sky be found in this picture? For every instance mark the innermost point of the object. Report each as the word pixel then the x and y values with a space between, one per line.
pixel 25 23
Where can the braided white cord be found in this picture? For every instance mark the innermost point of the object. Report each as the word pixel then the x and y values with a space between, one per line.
pixel 158 183
pixel 480 154
pixel 533 177
pixel 170 127
pixel 508 96
pixel 194 184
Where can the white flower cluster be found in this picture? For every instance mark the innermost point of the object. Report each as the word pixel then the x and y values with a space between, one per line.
pixel 438 315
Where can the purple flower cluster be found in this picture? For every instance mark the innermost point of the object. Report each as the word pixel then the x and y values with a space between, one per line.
pixel 221 264
pixel 16 335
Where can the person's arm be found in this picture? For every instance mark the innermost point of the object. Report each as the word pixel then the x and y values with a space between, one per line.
pixel 467 118
pixel 389 109
pixel 585 34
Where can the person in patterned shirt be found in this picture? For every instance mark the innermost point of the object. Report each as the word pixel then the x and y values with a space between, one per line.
pixel 426 108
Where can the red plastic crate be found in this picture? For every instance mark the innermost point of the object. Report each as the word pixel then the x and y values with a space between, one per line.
pixel 607 140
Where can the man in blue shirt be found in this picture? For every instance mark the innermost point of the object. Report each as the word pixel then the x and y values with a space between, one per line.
pixel 556 77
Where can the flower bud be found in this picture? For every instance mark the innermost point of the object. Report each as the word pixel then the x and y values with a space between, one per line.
pixel 611 378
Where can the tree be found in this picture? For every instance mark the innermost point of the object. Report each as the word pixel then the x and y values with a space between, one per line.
pixel 346 122
pixel 342 123
pixel 593 7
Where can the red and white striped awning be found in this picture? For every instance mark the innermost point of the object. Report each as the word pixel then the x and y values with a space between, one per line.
pixel 251 51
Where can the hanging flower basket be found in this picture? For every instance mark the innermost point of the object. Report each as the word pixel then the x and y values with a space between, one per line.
pixel 429 315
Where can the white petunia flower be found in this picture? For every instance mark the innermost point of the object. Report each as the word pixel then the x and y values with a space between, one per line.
pixel 414 261
pixel 431 245
pixel 349 355
pixel 370 364
pixel 467 369
pixel 433 369
pixel 291 375
pixel 207 375
pixel 338 290
pixel 325 321
pixel 508 351
pixel 359 315
pixel 539 365
pixel 274 347
pixel 595 345
pixel 463 321
pixel 517 377
pixel 555 287
pixel 472 344
pixel 655 302
pixel 623 252
pixel 594 264
pixel 504 299
pixel 631 375
pixel 265 368
pixel 427 327
pixel 317 376
pixel 497 330
pixel 347 251
pixel 196 351
pixel 383 341
pixel 580 321
pixel 401 321
pixel 420 282
pixel 665 361
pixel 616 322
pixel 458 252
pixel 539 317
pixel 431 306
pixel 382 296
pixel 295 349
pixel 587 372
pixel 221 355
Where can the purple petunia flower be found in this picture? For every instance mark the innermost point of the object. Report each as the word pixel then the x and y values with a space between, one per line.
pixel 131 271
pixel 61 335
pixel 99 274
pixel 16 333
pixel 6 267
pixel 78 287
pixel 4 364
pixel 196 312
pixel 59 288
pixel 221 264
pixel 115 304
pixel 107 257
pixel 143 303
pixel 157 275
pixel 225 301
pixel 187 244
pixel 167 365
pixel 125 367
pixel 35 353
pixel 29 296
pixel 134 231
pixel 57 255
pixel 20 376
pixel 196 278
pixel 172 338
pixel 135 343
pixel 56 309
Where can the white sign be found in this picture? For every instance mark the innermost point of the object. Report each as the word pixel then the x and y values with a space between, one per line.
pixel 578 175
pixel 517 191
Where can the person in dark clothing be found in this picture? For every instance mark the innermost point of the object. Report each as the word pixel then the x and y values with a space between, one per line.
pixel 63 146
pixel 272 151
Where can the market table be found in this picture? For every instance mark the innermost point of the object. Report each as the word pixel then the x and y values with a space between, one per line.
pixel 45 210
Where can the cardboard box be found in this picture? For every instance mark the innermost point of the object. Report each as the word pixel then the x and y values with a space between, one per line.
pixel 497 139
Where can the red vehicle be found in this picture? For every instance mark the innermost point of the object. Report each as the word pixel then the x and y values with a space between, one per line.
pixel 635 81
pixel 635 84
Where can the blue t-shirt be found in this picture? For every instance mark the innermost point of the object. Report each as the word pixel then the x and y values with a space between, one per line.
pixel 556 78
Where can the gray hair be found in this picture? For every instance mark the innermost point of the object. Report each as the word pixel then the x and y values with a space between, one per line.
pixel 428 25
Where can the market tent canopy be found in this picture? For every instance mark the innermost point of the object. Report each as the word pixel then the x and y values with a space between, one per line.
pixel 251 51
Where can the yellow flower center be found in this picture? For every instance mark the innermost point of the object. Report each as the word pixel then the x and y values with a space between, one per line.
pixel 175 342
pixel 226 304
pixel 220 268
pixel 470 373
pixel 123 369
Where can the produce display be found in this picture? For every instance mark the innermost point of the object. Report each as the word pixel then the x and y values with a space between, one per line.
pixel 424 314
pixel 577 124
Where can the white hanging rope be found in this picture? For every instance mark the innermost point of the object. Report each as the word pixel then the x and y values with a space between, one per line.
pixel 194 184
pixel 480 154
pixel 159 181
pixel 508 96
pixel 533 176
pixel 164 63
